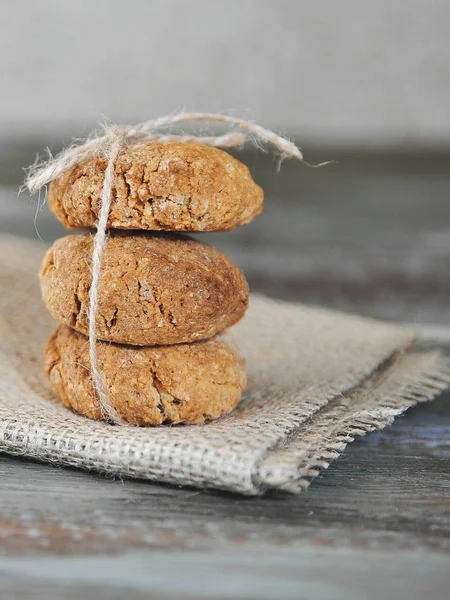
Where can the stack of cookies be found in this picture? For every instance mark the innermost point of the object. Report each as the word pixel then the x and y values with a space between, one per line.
pixel 163 297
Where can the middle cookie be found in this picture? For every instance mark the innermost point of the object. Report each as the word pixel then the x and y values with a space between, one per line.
pixel 155 289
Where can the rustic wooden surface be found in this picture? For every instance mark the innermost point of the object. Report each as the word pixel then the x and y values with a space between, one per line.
pixel 370 235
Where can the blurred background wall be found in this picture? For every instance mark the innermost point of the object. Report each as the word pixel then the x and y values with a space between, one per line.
pixel 335 73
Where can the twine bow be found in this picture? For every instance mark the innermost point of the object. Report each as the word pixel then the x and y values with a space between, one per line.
pixel 110 145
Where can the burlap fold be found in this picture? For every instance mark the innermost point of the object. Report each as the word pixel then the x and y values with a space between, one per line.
pixel 316 380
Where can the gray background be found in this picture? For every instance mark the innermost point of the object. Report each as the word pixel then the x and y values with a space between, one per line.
pixel 341 73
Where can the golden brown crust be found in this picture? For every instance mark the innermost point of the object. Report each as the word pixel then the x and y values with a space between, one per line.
pixel 154 288
pixel 188 383
pixel 171 186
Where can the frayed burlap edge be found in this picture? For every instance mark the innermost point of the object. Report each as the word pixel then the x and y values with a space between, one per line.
pixel 404 382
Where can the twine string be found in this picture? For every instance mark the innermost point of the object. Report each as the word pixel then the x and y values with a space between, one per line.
pixel 116 141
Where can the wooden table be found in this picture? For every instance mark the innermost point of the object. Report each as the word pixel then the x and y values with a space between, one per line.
pixel 370 235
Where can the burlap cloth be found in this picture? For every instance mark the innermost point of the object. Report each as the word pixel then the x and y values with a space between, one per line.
pixel 317 379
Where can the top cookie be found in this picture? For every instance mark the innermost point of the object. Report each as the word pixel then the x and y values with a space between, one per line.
pixel 166 186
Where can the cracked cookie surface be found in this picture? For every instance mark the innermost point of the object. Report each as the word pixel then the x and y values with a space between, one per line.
pixel 154 288
pixel 172 186
pixel 187 383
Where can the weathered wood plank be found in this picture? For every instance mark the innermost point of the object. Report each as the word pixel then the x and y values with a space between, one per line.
pixel 255 572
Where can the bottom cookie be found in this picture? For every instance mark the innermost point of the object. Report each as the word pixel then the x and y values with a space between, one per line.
pixel 184 383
